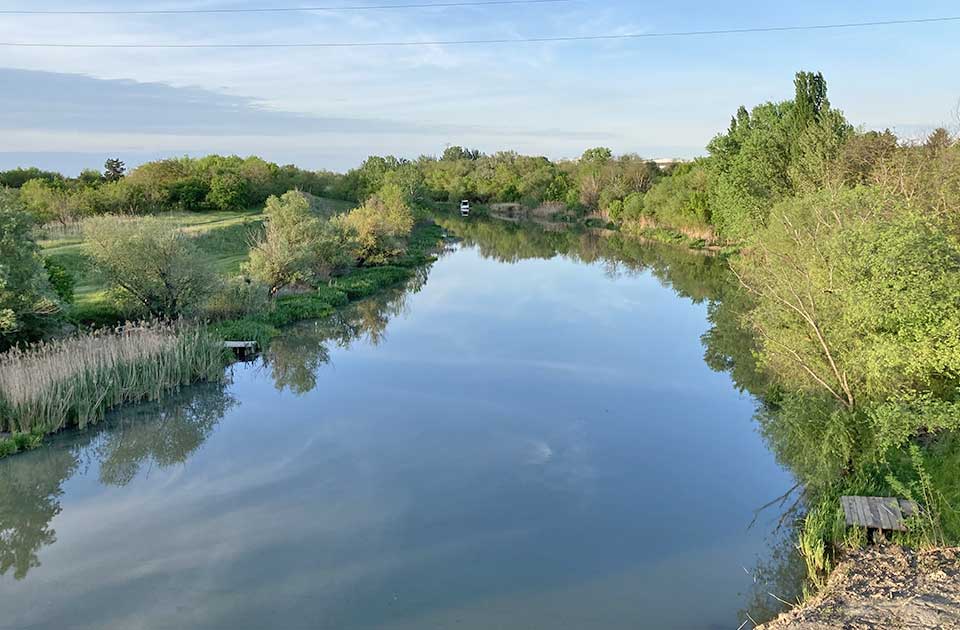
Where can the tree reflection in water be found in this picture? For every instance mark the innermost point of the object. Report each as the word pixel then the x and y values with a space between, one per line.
pixel 162 433
pixel 295 357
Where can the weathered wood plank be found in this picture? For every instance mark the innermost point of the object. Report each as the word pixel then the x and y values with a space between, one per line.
pixel 877 512
pixel 240 345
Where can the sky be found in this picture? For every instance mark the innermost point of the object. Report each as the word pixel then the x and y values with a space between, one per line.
pixel 329 108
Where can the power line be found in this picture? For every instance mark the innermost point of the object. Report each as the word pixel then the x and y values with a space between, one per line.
pixel 520 40
pixel 368 7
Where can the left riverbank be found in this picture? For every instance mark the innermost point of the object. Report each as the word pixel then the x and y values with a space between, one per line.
pixel 107 356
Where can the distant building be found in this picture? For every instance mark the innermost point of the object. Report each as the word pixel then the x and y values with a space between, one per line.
pixel 668 162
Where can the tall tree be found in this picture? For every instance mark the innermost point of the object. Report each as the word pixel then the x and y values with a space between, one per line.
pixel 114 169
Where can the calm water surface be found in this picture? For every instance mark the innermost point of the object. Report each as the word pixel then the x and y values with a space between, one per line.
pixel 515 444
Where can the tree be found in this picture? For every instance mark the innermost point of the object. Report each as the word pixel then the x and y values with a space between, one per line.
pixel 189 193
pixel 380 226
pixel 114 169
pixel 28 304
pixel 857 296
pixel 153 265
pixel 769 152
pixel 297 247
pixel 456 153
pixel 47 202
pixel 228 191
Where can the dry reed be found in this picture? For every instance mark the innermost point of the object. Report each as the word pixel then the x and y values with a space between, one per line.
pixel 74 381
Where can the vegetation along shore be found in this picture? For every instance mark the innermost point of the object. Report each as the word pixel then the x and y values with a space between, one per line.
pixel 843 296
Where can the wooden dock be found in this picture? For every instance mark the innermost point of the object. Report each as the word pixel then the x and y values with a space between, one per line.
pixel 243 349
pixel 878 512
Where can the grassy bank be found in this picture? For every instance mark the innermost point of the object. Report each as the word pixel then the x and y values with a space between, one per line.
pixel 319 303
pixel 72 382
pixel 223 238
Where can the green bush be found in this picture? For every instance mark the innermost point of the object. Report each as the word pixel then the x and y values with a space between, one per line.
pixel 236 298
pixel 366 282
pixel 295 308
pixel 246 329
pixel 61 280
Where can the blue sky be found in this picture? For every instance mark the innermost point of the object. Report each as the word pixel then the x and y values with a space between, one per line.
pixel 329 108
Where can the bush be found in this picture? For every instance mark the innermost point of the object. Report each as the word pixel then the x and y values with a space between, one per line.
pixel 236 298
pixel 366 282
pixel 61 280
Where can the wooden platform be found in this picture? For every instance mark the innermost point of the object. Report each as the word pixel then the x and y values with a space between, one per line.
pixel 878 512
pixel 240 345
pixel 242 349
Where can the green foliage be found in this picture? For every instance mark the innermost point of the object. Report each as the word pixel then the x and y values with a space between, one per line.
pixel 770 151
pixel 245 329
pixel 61 281
pixel 379 227
pixel 28 304
pixel 19 442
pixel 189 193
pixel 295 308
pixel 681 200
pixel 297 247
pixel 17 177
pixel 366 282
pixel 237 297
pixel 228 191
pixel 857 296
pixel 154 266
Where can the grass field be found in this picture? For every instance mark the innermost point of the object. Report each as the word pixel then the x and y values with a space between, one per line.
pixel 223 237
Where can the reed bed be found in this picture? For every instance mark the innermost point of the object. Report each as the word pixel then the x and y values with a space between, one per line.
pixel 74 381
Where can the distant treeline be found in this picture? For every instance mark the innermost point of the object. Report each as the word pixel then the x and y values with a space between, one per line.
pixel 598 181
pixel 210 183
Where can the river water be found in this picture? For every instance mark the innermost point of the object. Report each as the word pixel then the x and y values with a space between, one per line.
pixel 527 437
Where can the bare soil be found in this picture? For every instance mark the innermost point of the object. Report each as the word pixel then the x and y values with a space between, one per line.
pixel 884 587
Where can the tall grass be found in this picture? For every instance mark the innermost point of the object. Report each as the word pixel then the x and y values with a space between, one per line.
pixel 74 381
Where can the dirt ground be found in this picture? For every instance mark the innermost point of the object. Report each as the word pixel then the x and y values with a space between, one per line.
pixel 884 587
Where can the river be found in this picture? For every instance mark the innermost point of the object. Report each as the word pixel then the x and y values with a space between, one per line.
pixel 527 437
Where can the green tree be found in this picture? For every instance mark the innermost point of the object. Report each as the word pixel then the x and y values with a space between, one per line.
pixel 114 169
pixel 155 267
pixel 380 226
pixel 28 304
pixel 228 191
pixel 857 296
pixel 297 246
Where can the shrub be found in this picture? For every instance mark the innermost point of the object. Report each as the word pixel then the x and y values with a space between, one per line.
pixel 366 282
pixel 61 280
pixel 228 191
pixel 238 297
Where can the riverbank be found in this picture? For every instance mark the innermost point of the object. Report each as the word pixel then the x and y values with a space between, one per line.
pixel 884 587
pixel 74 381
